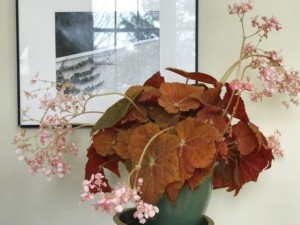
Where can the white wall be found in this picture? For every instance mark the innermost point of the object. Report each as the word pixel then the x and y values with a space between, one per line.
pixel 274 200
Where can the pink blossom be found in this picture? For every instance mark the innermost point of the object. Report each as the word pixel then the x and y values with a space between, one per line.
pixel 50 120
pixel 48 164
pixel 73 149
pixel 275 23
pixel 266 24
pixel 60 142
pixel 42 157
pixel 25 109
pixel 145 211
pixel 274 143
pixel 47 102
pixel 255 22
pixel 240 8
pixel 238 85
pixel 256 63
pixel 94 184
pixel 28 94
pixel 269 24
pixel 15 139
pixel 19 136
pixel 248 48
pixel 43 135
pixel 34 79
pixel 23 133
pixel 269 78
pixel 118 199
pixel 290 83
pixel 286 104
pixel 20 153
pixel 255 96
pixel 275 56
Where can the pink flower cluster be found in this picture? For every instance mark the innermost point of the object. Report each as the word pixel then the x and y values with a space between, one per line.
pixel 240 8
pixel 274 143
pixel 275 78
pixel 238 85
pixel 266 24
pixel 43 152
pixel 62 103
pixel 262 24
pixel 144 211
pixel 118 199
pixel 272 74
pixel 248 48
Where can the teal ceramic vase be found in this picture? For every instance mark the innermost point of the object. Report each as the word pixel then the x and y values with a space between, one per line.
pixel 189 209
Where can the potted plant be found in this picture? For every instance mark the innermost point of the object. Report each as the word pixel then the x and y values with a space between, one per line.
pixel 172 137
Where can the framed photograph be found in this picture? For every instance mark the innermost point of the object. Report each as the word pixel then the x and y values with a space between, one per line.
pixel 101 46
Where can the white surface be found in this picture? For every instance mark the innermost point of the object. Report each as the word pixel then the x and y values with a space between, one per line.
pixel 274 200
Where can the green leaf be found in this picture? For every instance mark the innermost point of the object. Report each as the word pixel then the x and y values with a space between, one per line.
pixel 117 111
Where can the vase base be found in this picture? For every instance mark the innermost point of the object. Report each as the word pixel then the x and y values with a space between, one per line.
pixel 126 219
pixel 208 221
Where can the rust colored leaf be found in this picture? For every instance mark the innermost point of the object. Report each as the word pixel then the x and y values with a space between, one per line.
pixel 134 114
pixel 262 141
pixel 212 97
pixel 153 110
pixel 149 94
pixel 245 137
pixel 179 97
pixel 185 170
pixel 214 116
pixel 160 167
pixel 222 149
pixel 223 176
pixel 197 76
pixel 172 191
pixel 155 80
pixel 198 177
pixel 235 104
pixel 160 117
pixel 104 141
pixel 242 169
pixel 139 139
pixel 197 143
pixel 251 165
pixel 121 146
pixel 165 119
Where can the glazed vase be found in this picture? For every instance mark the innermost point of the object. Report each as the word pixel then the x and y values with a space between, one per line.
pixel 189 209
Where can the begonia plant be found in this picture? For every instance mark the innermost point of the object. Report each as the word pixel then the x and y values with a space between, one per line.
pixel 168 134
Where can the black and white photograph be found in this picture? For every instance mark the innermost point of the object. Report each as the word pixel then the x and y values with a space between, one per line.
pixel 101 46
pixel 97 51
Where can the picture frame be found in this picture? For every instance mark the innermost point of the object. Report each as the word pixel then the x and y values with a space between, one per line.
pixel 101 45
